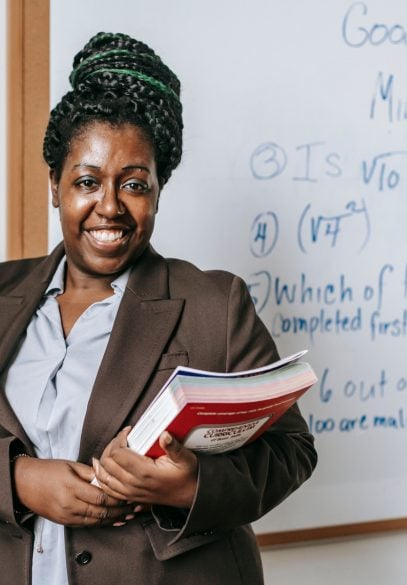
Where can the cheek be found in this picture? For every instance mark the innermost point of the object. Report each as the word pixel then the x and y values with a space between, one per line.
pixel 72 214
pixel 144 214
pixel 74 209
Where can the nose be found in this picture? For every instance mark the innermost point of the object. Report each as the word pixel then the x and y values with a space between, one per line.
pixel 109 204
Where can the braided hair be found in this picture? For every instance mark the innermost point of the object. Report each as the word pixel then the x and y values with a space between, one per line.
pixel 119 80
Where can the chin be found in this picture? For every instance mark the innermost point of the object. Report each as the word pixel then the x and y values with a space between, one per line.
pixel 110 266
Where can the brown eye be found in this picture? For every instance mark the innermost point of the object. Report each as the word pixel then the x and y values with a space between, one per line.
pixel 135 186
pixel 86 183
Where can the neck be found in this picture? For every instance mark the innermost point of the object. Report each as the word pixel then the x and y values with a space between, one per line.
pixel 78 281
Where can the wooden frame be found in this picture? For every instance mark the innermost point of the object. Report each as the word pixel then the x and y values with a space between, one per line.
pixel 27 114
pixel 28 109
pixel 320 533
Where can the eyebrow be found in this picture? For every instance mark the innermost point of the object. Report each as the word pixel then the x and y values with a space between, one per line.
pixel 136 167
pixel 126 168
pixel 85 164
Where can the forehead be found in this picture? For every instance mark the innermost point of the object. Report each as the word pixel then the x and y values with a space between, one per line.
pixel 101 142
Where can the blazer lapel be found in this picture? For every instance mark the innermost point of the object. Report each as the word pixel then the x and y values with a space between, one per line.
pixel 144 324
pixel 16 310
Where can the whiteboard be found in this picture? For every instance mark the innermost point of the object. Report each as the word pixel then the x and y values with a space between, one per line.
pixel 294 176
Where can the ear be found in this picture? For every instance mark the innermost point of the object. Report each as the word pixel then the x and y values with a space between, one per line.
pixel 54 188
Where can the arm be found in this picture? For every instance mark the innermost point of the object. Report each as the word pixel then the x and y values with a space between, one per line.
pixel 239 487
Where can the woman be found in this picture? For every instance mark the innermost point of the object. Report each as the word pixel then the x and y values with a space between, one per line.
pixel 89 334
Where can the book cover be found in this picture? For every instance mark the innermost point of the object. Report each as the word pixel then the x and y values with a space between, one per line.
pixel 216 412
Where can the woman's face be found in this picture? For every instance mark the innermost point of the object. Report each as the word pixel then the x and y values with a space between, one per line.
pixel 107 197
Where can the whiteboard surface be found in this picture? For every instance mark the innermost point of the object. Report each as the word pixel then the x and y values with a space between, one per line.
pixel 294 176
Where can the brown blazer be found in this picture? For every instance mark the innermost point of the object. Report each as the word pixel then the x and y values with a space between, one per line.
pixel 171 314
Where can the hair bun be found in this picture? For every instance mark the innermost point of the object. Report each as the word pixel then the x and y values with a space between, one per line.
pixel 110 56
pixel 119 80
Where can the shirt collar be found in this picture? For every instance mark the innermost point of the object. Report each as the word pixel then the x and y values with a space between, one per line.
pixel 57 284
pixel 119 284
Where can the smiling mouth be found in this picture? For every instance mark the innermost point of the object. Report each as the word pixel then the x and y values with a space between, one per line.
pixel 108 236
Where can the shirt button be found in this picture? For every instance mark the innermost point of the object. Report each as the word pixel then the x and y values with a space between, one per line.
pixel 83 558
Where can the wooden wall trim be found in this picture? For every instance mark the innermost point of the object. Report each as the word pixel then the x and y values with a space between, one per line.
pixel 27 115
pixel 323 533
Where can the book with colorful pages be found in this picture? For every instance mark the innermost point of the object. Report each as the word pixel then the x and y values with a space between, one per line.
pixel 214 412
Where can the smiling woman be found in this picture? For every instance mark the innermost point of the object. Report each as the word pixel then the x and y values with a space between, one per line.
pixel 107 196
pixel 88 336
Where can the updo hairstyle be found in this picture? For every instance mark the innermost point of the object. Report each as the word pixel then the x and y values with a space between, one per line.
pixel 119 80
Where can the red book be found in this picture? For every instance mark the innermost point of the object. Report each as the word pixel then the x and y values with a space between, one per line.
pixel 216 412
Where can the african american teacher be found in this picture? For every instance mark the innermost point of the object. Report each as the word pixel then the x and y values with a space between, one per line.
pixel 90 333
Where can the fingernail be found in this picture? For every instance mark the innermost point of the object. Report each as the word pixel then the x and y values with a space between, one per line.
pixel 129 517
pixel 167 438
pixel 138 508
pixel 119 524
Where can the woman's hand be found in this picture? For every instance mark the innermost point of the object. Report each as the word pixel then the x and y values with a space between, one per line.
pixel 169 480
pixel 60 491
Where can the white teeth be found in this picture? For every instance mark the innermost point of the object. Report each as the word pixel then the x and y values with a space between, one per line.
pixel 106 235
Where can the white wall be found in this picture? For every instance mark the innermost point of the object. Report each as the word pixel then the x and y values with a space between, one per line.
pixel 2 129
pixel 376 560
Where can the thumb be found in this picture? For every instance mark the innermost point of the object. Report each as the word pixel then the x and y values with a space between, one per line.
pixel 172 448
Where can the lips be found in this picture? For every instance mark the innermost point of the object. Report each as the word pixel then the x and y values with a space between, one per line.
pixel 108 235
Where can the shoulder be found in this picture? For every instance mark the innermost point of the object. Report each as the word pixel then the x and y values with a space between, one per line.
pixel 220 310
pixel 186 279
pixel 13 272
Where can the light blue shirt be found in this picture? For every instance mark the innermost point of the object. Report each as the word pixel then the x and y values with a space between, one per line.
pixel 48 386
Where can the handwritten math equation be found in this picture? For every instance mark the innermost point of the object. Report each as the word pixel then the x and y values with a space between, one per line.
pixel 381 172
pixel 373 402
pixel 329 210
pixel 326 224
pixel 337 306
pixel 313 227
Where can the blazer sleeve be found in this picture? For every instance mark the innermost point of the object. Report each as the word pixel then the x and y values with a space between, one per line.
pixel 9 447
pixel 239 487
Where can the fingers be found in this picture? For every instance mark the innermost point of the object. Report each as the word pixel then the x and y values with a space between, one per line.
pixel 102 517
pixel 122 436
pixel 75 502
pixel 99 508
pixel 119 441
pixel 172 448
pixel 177 453
pixel 121 471
pixel 90 494
pixel 113 479
pixel 85 472
pixel 105 515
pixel 170 479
